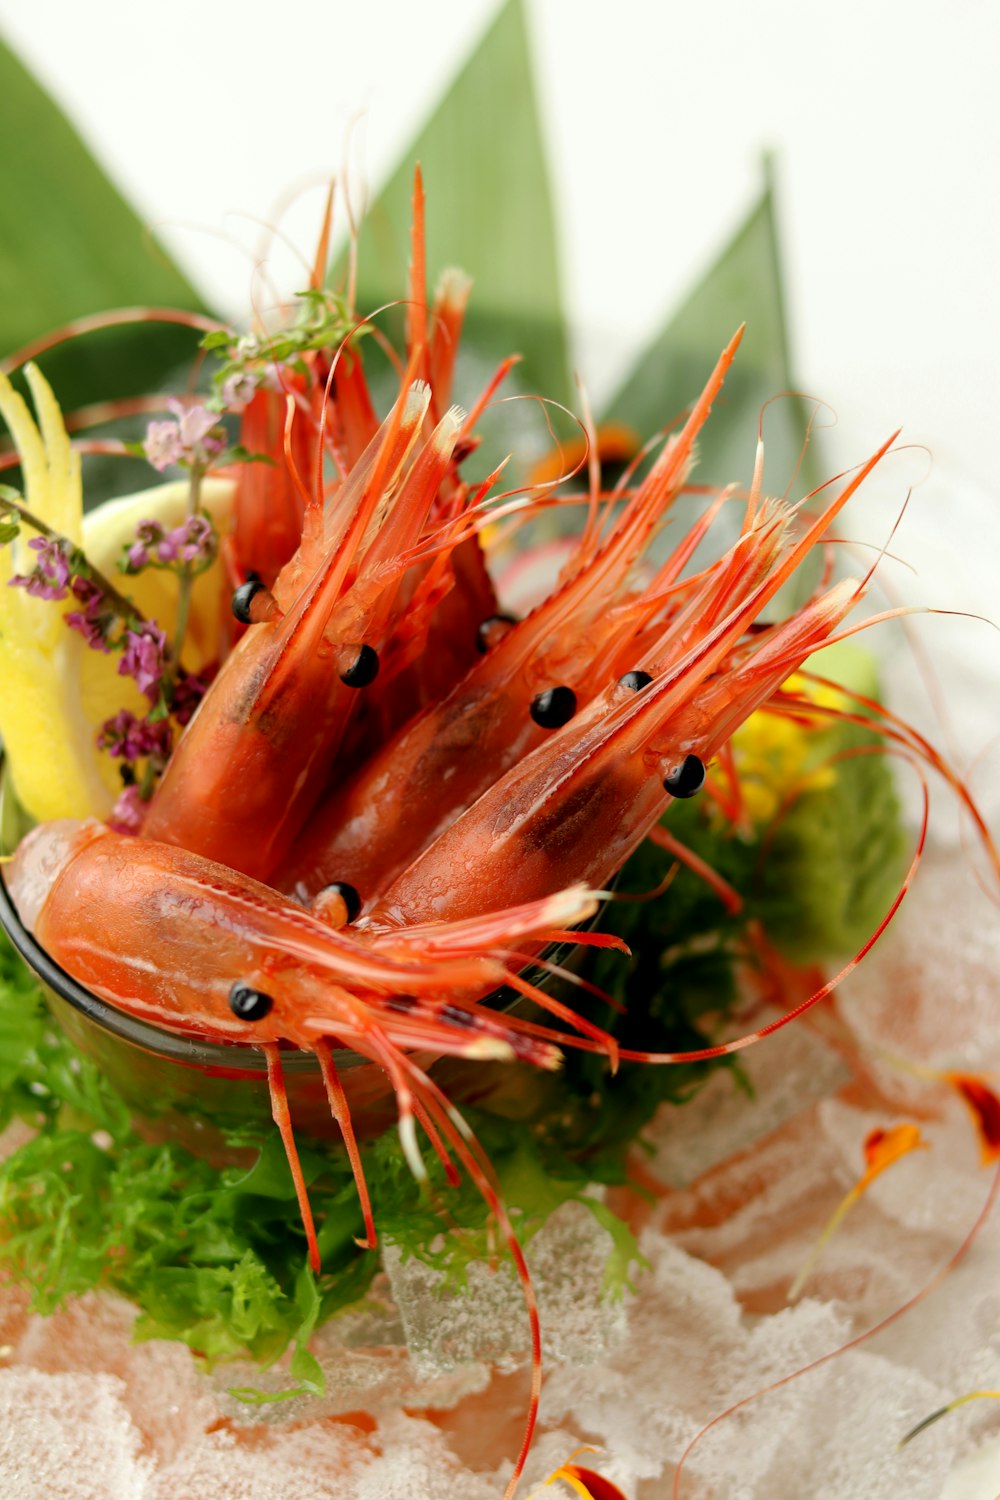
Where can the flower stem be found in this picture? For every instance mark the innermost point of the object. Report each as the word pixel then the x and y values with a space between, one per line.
pixel 186 580
pixel 122 605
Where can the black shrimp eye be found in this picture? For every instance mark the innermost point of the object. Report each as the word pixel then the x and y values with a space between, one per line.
pixel 554 708
pixel 244 596
pixel 635 681
pixel 247 1003
pixel 687 778
pixel 493 630
pixel 363 669
pixel 347 894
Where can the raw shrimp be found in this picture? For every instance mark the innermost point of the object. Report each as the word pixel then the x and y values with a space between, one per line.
pixel 179 940
pixel 486 825
pixel 438 764
pixel 248 770
pixel 587 797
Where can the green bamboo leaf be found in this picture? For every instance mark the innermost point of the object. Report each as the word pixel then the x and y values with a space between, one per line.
pixel 744 285
pixel 489 211
pixel 71 245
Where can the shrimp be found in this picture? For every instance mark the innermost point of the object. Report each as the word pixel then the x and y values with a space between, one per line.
pixel 481 829
pixel 276 713
pixel 418 782
pixel 586 797
pixel 189 944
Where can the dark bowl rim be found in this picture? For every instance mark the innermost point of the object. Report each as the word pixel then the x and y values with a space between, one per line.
pixel 219 1057
pixel 222 1057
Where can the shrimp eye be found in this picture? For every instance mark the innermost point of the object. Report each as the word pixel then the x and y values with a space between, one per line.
pixel 363 669
pixel 554 708
pixel 403 1004
pixel 492 631
pixel 243 597
pixel 347 894
pixel 687 778
pixel 635 681
pixel 247 1003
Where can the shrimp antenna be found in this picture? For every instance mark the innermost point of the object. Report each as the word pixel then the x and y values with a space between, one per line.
pixel 855 1343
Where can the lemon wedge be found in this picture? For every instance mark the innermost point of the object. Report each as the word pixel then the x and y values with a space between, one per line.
pixel 55 691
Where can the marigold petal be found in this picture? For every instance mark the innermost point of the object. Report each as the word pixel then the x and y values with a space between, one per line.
pixel 984 1106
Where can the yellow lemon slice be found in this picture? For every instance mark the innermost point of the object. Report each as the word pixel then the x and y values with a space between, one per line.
pixel 55 691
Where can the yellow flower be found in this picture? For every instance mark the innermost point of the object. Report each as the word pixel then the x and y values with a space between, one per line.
pixel 776 756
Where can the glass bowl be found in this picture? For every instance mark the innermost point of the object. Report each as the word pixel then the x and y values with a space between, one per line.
pixel 199 1093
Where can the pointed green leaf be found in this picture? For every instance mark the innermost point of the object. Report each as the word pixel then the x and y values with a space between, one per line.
pixel 744 285
pixel 489 211
pixel 72 246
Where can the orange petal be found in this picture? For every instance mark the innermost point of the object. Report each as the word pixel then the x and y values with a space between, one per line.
pixel 616 444
pixel 586 1483
pixel 984 1107
pixel 883 1147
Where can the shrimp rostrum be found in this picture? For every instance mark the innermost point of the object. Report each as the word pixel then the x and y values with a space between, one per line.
pixel 314 872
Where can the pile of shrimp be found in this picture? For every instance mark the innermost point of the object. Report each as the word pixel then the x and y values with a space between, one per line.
pixel 393 797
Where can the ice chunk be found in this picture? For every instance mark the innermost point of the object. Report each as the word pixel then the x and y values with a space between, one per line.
pixel 789 1071
pixel 488 1321
pixel 405 1459
pixel 366 1367
pixel 68 1437
pixel 930 990
pixel 161 1387
pixel 978 1476
pixel 831 1433
pixel 415 1460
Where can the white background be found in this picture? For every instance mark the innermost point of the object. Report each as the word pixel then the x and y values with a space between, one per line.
pixel 883 115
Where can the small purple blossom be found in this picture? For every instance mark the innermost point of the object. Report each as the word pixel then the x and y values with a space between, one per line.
pixel 238 388
pixel 94 619
pixel 188 693
pixel 129 738
pixel 49 579
pixel 196 540
pixel 195 423
pixel 147 534
pixel 128 813
pixel 192 542
pixel 192 437
pixel 163 444
pixel 143 657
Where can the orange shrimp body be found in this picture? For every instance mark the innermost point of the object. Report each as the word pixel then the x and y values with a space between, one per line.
pixel 187 943
pixel 438 764
pixel 251 765
pixel 269 510
pixel 180 931
pixel 586 799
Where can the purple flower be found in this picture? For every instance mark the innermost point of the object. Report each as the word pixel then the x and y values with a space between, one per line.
pixel 143 657
pixel 196 540
pixel 129 738
pixel 49 579
pixel 93 620
pixel 147 534
pixel 188 693
pixel 169 547
pixel 192 542
pixel 193 437
pixel 238 388
pixel 163 444
pixel 128 812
